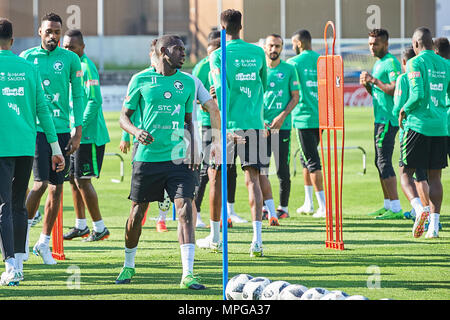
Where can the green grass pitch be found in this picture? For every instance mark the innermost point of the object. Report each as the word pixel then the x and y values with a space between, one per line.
pixel 381 259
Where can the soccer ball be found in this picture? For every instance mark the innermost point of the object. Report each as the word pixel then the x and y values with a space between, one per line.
pixel 235 285
pixel 335 295
pixel 357 297
pixel 272 291
pixel 314 294
pixel 254 288
pixel 293 292
pixel 165 204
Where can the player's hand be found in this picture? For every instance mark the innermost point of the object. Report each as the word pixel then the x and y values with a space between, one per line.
pixel 212 92
pixel 276 124
pixel 216 152
pixel 144 137
pixel 234 138
pixel 73 144
pixel 401 117
pixel 58 163
pixel 124 146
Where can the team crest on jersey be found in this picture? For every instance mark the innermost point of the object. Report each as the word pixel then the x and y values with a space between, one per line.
pixel 167 95
pixel 58 65
pixel 178 85
pixel 280 75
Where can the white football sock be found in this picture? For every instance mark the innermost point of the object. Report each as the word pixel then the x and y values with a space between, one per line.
pixel 395 205
pixel 230 207
pixel 320 196
pixel 18 257
pixel 187 258
pixel 387 204
pixel 215 231
pixel 44 239
pixel 10 264
pixel 129 257
pixel 98 226
pixel 257 227
pixel 309 196
pixel 80 224
pixel 283 208
pixel 417 205
pixel 162 215
pixel 270 205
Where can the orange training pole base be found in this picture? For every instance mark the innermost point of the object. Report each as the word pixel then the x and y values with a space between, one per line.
pixel 330 81
pixel 57 235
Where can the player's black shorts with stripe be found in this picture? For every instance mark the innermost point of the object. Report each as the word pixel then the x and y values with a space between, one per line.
pixel 384 140
pixel 87 161
pixel 42 164
pixel 420 151
pixel 149 179
pixel 309 140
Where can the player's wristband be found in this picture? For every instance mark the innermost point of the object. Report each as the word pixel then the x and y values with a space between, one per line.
pixel 56 150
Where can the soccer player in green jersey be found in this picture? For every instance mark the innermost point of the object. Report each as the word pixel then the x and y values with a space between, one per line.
pixel 60 71
pixel 305 118
pixel 166 102
pixel 401 95
pixel 22 100
pixel 86 162
pixel 280 98
pixel 424 143
pixel 246 83
pixel 381 85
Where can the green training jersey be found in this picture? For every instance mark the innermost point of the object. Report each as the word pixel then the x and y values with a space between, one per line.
pixel 401 94
pixel 246 75
pixel 426 108
pixel 447 102
pixel 281 81
pixel 201 71
pixel 60 71
pixel 94 127
pixel 138 79
pixel 21 100
pixel 163 102
pixel 386 69
pixel 306 114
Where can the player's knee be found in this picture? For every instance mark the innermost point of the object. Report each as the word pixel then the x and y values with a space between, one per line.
pixel 83 183
pixel 184 208
pixel 40 186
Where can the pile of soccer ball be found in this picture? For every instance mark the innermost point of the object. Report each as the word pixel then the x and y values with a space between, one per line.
pixel 246 287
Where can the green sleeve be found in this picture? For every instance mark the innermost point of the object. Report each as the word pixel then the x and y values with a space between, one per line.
pixel 76 80
pixel 393 70
pixel 294 83
pixel 133 94
pixel 43 112
pixel 415 81
pixel 125 136
pixel 190 103
pixel 215 65
pixel 263 74
pixel 93 95
pixel 400 96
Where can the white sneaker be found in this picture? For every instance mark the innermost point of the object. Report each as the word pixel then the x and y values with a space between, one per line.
pixel 256 250
pixel 44 251
pixel 305 209
pixel 320 213
pixel 10 278
pixel 432 233
pixel 206 243
pixel 200 223
pixel 236 219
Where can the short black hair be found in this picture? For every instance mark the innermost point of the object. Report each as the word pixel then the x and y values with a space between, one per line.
pixel 276 35
pixel 214 34
pixel 74 33
pixel 423 36
pixel 166 41
pixel 232 19
pixel 52 17
pixel 6 29
pixel 214 43
pixel 408 53
pixel 303 35
pixel 379 33
pixel 442 47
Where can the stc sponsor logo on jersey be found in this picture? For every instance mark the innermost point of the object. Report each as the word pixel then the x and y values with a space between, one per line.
pixel 20 91
pixel 246 76
pixel 172 110
pixel 437 86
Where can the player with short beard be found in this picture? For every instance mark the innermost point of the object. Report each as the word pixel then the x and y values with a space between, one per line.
pixel 61 75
